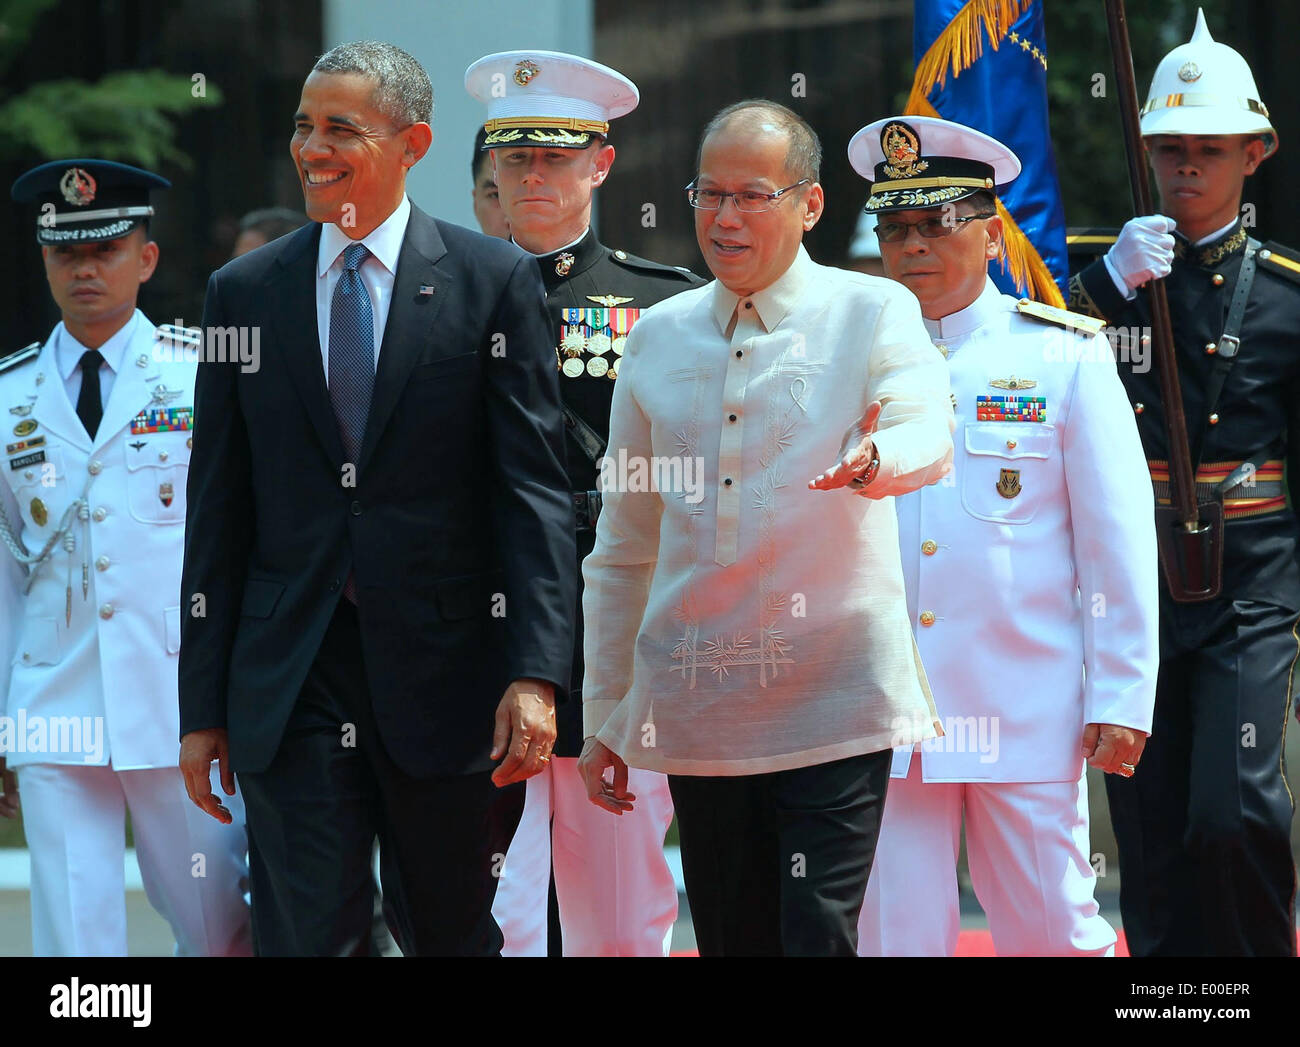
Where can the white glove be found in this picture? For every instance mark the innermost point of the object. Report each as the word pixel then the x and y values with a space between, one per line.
pixel 1143 251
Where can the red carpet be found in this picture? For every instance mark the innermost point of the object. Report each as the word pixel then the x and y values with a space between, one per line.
pixel 977 943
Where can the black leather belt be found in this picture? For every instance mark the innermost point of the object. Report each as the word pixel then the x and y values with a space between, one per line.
pixel 586 509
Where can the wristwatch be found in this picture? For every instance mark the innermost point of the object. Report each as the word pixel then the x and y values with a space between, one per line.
pixel 865 478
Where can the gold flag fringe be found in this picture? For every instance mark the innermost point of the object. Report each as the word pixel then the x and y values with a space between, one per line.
pixel 957 48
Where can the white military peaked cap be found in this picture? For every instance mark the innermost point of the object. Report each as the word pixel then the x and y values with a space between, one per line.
pixel 548 98
pixel 921 161
pixel 1205 88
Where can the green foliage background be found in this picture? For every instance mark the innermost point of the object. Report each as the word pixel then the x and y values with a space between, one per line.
pixel 127 116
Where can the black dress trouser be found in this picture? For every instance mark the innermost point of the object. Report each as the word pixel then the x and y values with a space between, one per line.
pixel 315 812
pixel 1204 826
pixel 777 864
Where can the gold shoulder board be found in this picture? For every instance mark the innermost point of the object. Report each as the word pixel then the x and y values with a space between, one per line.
pixel 1061 317
pixel 1281 260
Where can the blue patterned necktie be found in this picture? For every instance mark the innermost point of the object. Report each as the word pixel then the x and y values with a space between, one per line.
pixel 351 362
pixel 352 352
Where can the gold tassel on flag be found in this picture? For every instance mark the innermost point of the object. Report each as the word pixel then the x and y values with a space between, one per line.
pixel 956 49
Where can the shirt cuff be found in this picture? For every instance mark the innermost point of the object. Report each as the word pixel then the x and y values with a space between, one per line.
pixel 1125 291
pixel 595 713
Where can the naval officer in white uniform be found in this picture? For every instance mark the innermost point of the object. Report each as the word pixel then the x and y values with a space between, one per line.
pixel 1030 576
pixel 98 426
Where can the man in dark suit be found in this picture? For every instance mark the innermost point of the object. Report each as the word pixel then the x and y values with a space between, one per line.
pixel 379 544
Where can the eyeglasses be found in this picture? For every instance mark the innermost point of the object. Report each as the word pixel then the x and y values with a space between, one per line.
pixel 748 201
pixel 930 228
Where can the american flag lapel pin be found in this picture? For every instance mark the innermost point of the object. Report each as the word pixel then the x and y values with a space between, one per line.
pixel 425 290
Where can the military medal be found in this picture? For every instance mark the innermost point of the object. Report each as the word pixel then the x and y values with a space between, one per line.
pixel 1013 383
pixel 162 396
pixel 1011 409
pixel 563 263
pixel 598 344
pixel 612 373
pixel 22 410
pixel 573 343
pixel 573 367
pixel 26 427
pixel 165 494
pixel 40 515
pixel 597 366
pixel 618 345
pixel 1009 483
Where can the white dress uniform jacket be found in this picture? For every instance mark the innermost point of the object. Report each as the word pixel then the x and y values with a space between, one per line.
pixel 1052 621
pixel 116 658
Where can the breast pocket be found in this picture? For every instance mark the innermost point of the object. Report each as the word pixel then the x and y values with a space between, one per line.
pixel 157 467
pixel 41 490
pixel 1004 475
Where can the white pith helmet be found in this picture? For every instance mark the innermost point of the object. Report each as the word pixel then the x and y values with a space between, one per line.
pixel 1205 88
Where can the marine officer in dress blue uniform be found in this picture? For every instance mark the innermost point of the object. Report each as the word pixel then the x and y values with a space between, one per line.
pixel 547 130
pixel 98 426
pixel 1204 832
pixel 1030 576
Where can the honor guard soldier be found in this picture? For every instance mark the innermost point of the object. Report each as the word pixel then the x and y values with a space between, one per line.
pixel 1204 830
pixel 99 423
pixel 547 129
pixel 1030 575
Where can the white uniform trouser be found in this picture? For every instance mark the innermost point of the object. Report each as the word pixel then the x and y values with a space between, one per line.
pixel 615 890
pixel 74 818
pixel 1027 846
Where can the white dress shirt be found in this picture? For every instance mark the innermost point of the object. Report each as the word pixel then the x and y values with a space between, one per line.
pixel 750 624
pixel 68 352
pixel 377 273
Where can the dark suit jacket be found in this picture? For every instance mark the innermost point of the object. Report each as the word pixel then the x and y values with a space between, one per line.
pixel 459 529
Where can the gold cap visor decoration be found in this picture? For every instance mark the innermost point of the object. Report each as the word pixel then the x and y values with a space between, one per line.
pixel 548 98
pixel 918 162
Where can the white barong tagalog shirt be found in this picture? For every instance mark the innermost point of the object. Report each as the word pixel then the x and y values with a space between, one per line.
pixel 736 621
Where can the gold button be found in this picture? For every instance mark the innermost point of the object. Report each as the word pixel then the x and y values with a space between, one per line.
pixel 99 514
pixel 101 563
pixel 1217 279
pixel 1011 445
pixel 162 456
pixel 1139 408
pixel 95 467
pixel 1214 419
pixel 189 441
pixel 1211 348
pixel 927 617
pixel 929 547
pixel 106 611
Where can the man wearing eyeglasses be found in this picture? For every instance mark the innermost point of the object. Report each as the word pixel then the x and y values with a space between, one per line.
pixel 1031 577
pixel 749 638
pixel 546 135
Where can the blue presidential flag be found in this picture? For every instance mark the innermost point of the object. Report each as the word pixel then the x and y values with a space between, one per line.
pixel 983 63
